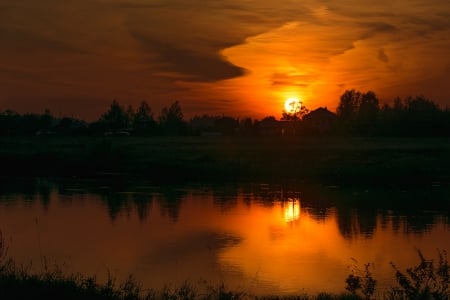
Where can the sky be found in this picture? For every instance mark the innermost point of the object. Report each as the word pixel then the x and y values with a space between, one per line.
pixel 241 58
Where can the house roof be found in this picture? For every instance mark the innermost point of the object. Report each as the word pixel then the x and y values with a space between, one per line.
pixel 320 113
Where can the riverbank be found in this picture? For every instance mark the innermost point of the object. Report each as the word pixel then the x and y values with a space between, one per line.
pixel 427 280
pixel 54 285
pixel 335 160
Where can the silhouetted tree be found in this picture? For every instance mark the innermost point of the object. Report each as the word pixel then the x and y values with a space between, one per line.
pixel 143 120
pixel 129 115
pixel 348 105
pixel 116 117
pixel 369 106
pixel 422 115
pixel 398 105
pixel 294 116
pixel 46 120
pixel 421 106
pixel 368 112
pixel 246 126
pixel 413 116
pixel 171 120
pixel 9 122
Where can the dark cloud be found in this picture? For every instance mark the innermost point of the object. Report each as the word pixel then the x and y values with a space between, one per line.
pixel 191 65
pixel 424 26
pixel 374 28
pixel 32 42
pixel 382 56
pixel 381 27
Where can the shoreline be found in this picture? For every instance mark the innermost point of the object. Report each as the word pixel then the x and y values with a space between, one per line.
pixel 332 160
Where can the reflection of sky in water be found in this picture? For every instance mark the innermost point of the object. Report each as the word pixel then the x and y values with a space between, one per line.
pixel 260 238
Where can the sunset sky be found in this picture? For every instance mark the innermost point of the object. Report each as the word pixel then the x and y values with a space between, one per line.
pixel 239 58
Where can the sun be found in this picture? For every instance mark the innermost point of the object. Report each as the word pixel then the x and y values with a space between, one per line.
pixel 292 105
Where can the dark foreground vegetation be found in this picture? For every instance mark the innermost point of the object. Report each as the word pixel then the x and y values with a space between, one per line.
pixel 430 279
pixel 334 160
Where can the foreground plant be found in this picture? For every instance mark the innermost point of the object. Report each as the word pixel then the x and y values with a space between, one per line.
pixel 361 282
pixel 427 280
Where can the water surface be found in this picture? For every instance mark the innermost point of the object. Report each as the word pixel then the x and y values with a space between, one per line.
pixel 261 238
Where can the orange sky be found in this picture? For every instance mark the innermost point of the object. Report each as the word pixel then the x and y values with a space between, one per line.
pixel 240 58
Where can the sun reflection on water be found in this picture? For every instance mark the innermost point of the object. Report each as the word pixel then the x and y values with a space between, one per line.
pixel 292 210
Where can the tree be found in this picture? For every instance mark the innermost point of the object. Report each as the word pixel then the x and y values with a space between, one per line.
pixel 297 115
pixel 398 105
pixel 171 120
pixel 348 105
pixel 369 106
pixel 9 121
pixel 421 106
pixel 246 126
pixel 368 112
pixel 422 116
pixel 116 117
pixel 46 120
pixel 143 120
pixel 414 116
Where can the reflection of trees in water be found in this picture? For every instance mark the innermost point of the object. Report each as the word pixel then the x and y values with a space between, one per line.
pixel 225 196
pixel 115 202
pixel 171 200
pixel 357 212
pixel 143 203
pixel 352 222
pixel 413 211
pixel 38 189
pixel 411 223
pixel 267 194
pixel 319 205
pixel 44 189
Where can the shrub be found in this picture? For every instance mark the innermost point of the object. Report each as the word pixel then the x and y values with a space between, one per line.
pixel 361 282
pixel 424 281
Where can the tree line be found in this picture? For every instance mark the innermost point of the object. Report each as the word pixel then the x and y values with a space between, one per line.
pixel 361 114
pixel 357 113
pixel 117 120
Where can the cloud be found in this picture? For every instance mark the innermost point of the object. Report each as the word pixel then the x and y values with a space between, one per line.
pixel 191 65
pixel 251 53
pixel 280 79
pixel 382 56
pixel 32 42
pixel 373 28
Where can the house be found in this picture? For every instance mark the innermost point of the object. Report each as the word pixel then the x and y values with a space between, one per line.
pixel 320 120
pixel 214 125
pixel 71 126
pixel 269 126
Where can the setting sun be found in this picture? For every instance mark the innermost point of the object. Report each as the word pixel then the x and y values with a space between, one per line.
pixel 292 105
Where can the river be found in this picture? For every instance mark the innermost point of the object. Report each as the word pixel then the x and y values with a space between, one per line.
pixel 261 238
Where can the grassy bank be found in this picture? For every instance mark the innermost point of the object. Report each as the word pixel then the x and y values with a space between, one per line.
pixel 338 160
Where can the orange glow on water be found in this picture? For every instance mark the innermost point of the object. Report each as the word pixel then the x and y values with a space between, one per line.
pixel 260 247
pixel 292 210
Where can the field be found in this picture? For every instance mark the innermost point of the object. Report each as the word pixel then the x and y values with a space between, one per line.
pixel 334 160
